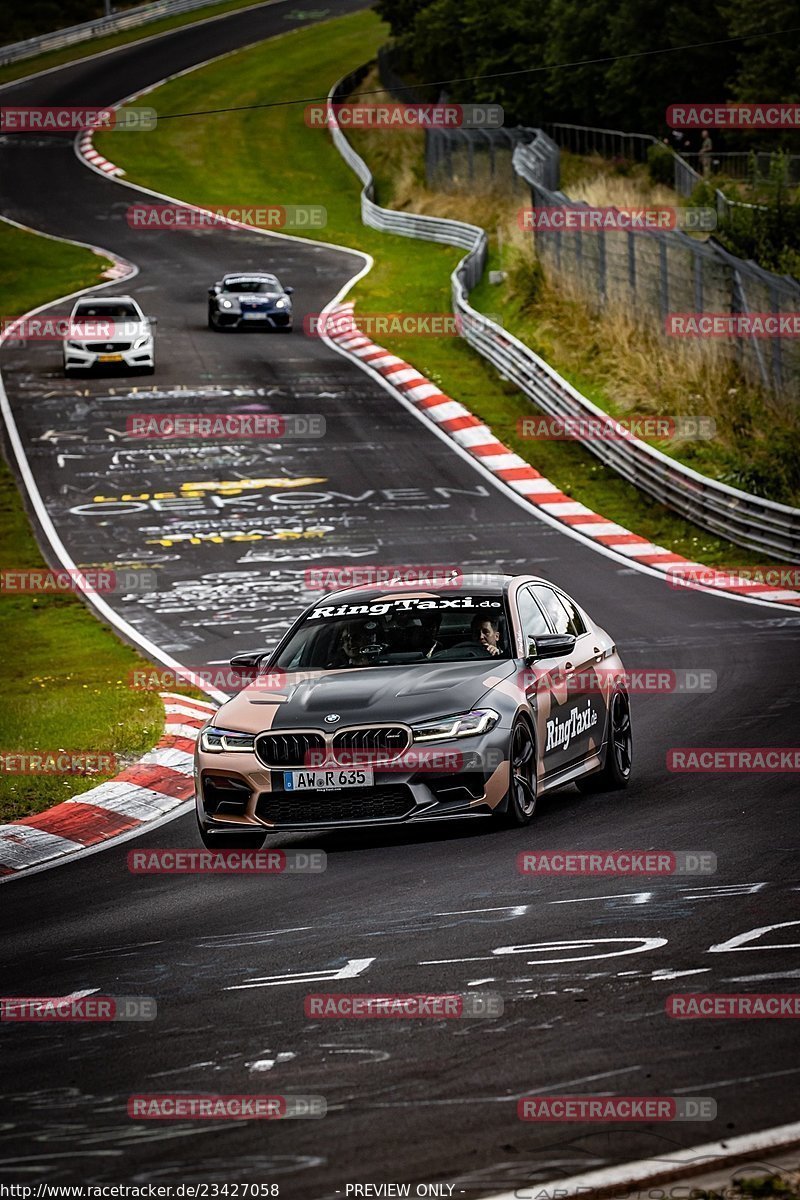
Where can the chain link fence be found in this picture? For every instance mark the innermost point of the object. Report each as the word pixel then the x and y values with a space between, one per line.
pixel 647 272
pixel 652 273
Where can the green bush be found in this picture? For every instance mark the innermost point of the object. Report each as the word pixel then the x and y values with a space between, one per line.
pixel 660 164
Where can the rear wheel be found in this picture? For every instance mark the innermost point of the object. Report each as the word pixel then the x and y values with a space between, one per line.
pixel 521 798
pixel 616 770
pixel 218 840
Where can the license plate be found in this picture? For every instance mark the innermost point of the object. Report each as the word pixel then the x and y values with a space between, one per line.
pixel 254 316
pixel 327 781
pixel 109 358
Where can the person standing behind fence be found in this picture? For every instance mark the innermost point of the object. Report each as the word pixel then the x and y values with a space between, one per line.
pixel 706 148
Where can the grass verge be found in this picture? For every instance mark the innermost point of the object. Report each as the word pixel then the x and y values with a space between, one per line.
pixel 66 674
pixel 297 164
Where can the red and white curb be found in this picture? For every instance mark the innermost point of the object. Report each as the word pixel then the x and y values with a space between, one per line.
pixel 157 784
pixel 88 152
pixel 477 440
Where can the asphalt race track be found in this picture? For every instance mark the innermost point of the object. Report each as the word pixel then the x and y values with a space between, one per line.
pixel 584 965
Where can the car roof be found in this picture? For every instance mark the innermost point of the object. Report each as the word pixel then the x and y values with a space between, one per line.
pixel 106 300
pixel 479 584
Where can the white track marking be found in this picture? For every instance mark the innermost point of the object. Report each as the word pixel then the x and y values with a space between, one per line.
pixel 353 967
pixel 739 941
pixel 762 978
pixel 634 897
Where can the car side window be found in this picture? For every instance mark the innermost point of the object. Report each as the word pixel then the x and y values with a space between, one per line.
pixel 561 611
pixel 531 617
pixel 576 625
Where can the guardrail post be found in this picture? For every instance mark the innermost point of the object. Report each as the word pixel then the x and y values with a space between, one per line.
pixel 632 259
pixel 663 278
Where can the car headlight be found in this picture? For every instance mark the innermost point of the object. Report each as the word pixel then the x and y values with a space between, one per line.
pixel 142 340
pixel 75 345
pixel 217 741
pixel 282 303
pixel 460 725
pixel 226 304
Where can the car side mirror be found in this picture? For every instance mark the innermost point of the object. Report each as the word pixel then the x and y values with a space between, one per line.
pixel 249 662
pixel 212 291
pixel 550 645
pixel 289 291
pixel 153 320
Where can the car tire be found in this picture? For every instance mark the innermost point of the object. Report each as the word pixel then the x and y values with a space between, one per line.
pixel 212 324
pixel 616 770
pixel 219 840
pixel 520 802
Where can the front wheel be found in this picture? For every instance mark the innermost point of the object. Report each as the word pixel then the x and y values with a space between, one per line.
pixel 218 840
pixel 616 770
pixel 521 798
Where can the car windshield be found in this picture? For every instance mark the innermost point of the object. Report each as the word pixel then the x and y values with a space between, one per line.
pixel 260 286
pixel 400 630
pixel 90 308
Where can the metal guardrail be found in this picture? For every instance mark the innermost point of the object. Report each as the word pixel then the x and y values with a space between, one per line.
pixel 75 34
pixel 747 520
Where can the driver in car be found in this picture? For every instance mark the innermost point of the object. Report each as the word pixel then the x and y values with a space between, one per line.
pixel 354 639
pixel 486 632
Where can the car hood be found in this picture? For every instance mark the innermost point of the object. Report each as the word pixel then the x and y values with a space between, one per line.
pixel 367 694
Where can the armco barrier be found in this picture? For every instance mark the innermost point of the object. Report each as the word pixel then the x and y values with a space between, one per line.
pixel 747 520
pixel 74 34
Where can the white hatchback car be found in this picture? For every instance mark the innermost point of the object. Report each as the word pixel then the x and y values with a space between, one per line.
pixel 109 331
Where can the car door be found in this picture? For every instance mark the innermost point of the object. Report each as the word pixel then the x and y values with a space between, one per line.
pixel 576 718
pixel 544 680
